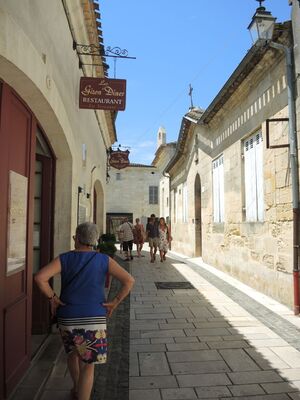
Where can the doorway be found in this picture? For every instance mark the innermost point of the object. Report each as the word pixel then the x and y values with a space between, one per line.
pixel 42 235
pixel 114 220
pixel 198 219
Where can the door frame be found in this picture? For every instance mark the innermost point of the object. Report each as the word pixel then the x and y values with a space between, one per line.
pixel 198 217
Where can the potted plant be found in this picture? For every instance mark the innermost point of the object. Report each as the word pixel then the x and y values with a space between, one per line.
pixel 106 244
pixel 108 248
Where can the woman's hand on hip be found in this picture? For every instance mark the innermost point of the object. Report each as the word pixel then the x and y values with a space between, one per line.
pixel 55 302
pixel 111 306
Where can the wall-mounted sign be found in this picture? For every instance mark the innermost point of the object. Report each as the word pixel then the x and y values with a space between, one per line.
pixel 119 159
pixel 17 223
pixel 102 94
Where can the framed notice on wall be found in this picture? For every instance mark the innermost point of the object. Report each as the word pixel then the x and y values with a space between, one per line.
pixel 17 222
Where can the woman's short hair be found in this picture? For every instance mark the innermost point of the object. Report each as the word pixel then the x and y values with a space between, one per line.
pixel 87 233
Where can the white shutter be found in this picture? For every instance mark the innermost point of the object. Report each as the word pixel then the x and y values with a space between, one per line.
pixel 259 176
pixel 216 191
pixel 185 203
pixel 250 180
pixel 221 188
pixel 254 185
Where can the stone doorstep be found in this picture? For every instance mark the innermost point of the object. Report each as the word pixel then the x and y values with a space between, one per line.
pixel 40 370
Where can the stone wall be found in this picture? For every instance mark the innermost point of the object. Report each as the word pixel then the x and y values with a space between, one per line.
pixel 257 253
pixel 128 191
pixel 40 64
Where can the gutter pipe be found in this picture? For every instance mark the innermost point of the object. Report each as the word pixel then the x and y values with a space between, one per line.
pixel 293 148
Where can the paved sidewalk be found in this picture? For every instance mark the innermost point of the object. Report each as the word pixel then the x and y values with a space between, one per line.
pixel 220 340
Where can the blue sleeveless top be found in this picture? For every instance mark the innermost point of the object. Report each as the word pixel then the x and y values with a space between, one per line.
pixel 84 296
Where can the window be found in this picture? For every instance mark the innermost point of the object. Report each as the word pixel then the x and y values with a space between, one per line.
pixel 174 195
pixel 162 198
pixel 184 203
pixel 254 186
pixel 153 194
pixel 218 189
pixel 118 176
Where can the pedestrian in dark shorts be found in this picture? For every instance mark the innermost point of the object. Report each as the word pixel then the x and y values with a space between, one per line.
pixel 153 236
pixel 127 229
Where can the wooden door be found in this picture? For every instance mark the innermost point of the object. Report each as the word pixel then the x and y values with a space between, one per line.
pixel 42 237
pixel 17 135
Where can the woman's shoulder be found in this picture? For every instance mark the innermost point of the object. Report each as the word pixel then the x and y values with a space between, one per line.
pixel 66 254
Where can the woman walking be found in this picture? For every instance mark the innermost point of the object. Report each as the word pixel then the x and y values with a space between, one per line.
pixel 164 239
pixel 81 309
pixel 139 234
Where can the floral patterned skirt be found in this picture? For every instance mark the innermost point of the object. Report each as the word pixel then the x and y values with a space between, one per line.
pixel 87 336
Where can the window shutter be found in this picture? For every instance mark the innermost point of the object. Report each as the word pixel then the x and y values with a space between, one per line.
pixel 216 191
pixel 221 188
pixel 153 194
pixel 254 186
pixel 185 203
pixel 250 180
pixel 259 177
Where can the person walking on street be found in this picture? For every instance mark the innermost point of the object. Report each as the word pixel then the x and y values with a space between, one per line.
pixel 127 229
pixel 139 236
pixel 81 309
pixel 120 237
pixel 164 239
pixel 153 236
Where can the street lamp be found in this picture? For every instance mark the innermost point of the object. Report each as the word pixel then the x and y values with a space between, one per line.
pixel 261 29
pixel 262 24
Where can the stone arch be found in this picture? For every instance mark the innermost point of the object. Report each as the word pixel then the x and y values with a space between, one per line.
pixel 198 219
pixel 52 124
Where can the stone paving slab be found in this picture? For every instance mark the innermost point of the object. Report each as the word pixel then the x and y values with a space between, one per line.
pixel 178 394
pixel 199 367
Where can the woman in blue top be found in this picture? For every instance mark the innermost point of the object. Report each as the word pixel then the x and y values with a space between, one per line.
pixel 81 308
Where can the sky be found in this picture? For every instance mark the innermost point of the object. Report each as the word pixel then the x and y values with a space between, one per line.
pixel 176 43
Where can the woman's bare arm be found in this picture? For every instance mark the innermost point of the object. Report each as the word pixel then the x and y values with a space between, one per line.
pixel 126 280
pixel 42 280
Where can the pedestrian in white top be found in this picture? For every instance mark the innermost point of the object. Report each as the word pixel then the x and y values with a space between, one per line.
pixel 127 229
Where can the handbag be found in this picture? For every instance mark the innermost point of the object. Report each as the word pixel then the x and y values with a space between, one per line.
pixel 54 317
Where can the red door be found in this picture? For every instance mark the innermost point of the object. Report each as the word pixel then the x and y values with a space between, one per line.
pixel 17 161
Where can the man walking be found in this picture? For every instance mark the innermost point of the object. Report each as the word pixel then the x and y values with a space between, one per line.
pixel 126 229
pixel 153 236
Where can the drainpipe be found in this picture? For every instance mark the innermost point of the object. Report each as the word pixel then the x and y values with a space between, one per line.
pixel 294 166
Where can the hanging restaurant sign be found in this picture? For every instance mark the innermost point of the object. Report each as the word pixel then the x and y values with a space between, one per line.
pixel 102 94
pixel 119 159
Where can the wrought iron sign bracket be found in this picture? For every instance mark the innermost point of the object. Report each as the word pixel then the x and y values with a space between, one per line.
pixel 100 51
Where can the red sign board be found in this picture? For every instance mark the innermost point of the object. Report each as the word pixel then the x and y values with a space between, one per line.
pixel 119 159
pixel 102 94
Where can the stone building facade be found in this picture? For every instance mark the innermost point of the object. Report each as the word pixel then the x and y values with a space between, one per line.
pixel 230 188
pixel 165 151
pixel 132 192
pixel 52 156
